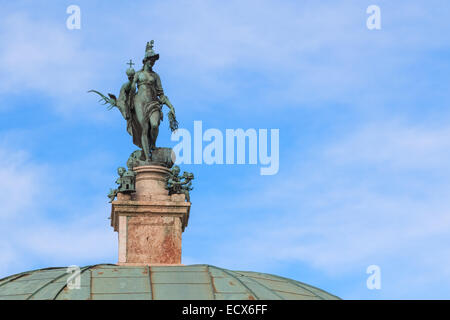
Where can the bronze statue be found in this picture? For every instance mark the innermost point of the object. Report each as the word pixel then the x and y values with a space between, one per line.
pixel 140 102
pixel 143 109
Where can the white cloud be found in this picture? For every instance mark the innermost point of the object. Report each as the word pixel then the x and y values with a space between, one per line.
pixel 8 259
pixel 32 232
pixel 75 240
pixel 336 218
pixel 19 182
pixel 40 58
pixel 305 53
pixel 396 145
pixel 37 54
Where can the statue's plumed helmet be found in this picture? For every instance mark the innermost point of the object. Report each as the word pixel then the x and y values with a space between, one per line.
pixel 130 72
pixel 149 52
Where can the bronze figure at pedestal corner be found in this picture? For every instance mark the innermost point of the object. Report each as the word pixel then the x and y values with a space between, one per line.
pixel 177 184
pixel 126 183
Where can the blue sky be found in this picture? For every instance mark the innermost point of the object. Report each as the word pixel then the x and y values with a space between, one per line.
pixel 364 135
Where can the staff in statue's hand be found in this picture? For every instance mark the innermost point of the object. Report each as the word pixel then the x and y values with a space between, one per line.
pixel 112 100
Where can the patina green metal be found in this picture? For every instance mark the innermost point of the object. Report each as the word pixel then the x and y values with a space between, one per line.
pixel 142 109
pixel 177 184
pixel 112 194
pixel 193 282
pixel 140 102
pixel 160 156
pixel 126 183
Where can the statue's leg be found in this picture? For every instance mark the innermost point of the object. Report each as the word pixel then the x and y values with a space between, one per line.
pixel 154 125
pixel 144 139
pixel 143 127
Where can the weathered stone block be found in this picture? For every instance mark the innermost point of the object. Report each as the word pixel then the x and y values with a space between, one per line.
pixel 150 223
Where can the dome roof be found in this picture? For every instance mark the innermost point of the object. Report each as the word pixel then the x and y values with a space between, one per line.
pixel 106 281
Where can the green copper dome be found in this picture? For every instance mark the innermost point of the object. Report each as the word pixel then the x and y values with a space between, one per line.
pixel 196 282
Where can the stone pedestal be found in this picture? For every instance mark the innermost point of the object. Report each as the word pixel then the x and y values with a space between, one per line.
pixel 150 222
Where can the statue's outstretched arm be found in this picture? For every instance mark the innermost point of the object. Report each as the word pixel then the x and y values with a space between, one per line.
pixel 160 92
pixel 172 118
pixel 165 100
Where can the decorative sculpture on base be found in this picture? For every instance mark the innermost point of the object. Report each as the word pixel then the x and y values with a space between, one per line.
pixel 125 182
pixel 175 185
